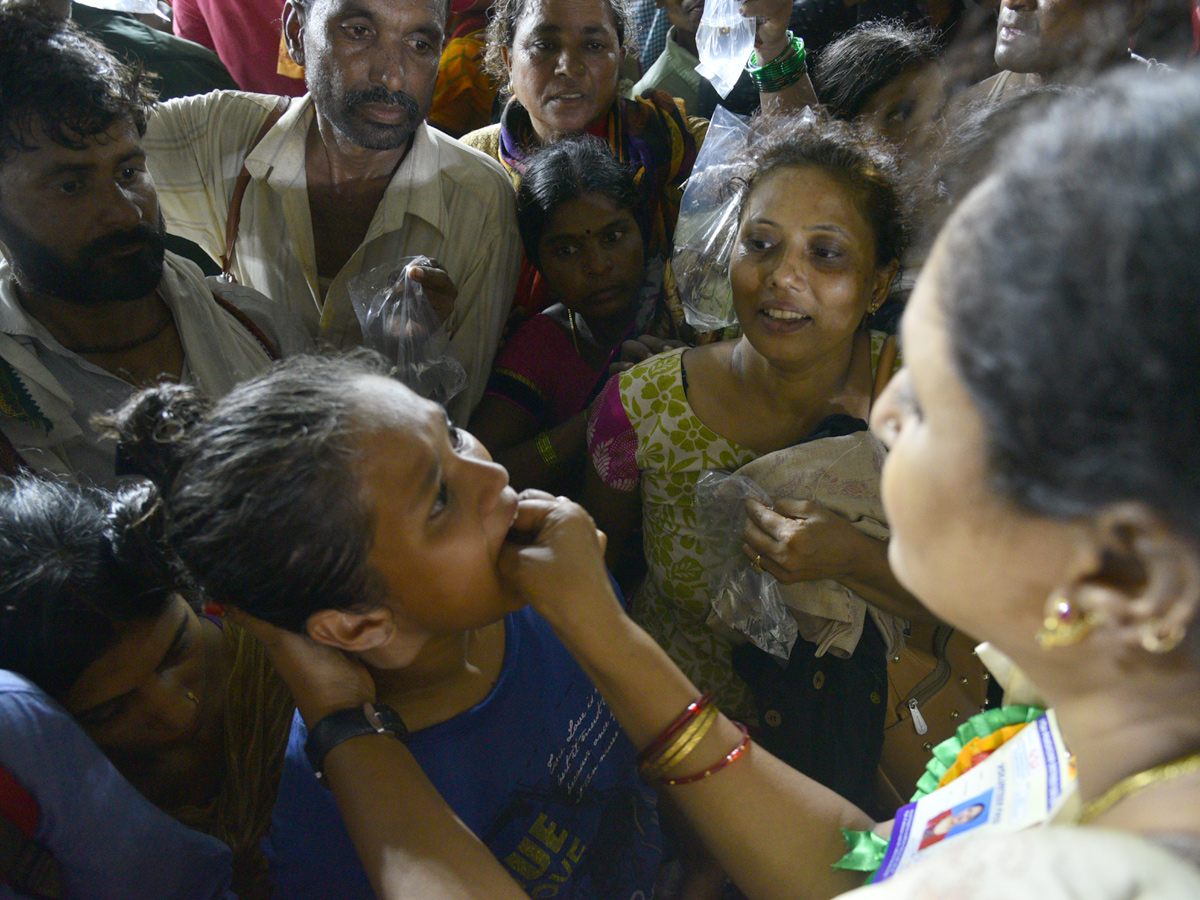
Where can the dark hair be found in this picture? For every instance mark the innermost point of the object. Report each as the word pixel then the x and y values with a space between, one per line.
pixel 265 508
pixel 852 69
pixel 77 569
pixel 566 170
pixel 50 71
pixel 1072 291
pixel 843 152
pixel 502 29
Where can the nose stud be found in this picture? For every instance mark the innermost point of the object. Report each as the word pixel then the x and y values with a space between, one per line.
pixel 192 697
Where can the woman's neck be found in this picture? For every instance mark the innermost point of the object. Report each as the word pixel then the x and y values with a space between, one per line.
pixel 451 674
pixel 818 383
pixel 1115 733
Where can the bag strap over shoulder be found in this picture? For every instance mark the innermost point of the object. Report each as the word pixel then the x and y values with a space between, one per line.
pixel 887 362
pixel 248 323
pixel 233 219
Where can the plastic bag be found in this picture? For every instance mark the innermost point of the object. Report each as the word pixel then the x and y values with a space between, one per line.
pixel 743 598
pixel 141 7
pixel 707 226
pixel 724 41
pixel 398 321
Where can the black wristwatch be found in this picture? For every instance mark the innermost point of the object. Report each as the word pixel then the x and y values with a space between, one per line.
pixel 370 718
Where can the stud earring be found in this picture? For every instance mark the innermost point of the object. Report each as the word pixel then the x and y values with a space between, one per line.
pixel 1063 626
pixel 1153 642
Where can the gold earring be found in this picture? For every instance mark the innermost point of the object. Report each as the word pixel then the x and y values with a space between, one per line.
pixel 1063 626
pixel 1153 642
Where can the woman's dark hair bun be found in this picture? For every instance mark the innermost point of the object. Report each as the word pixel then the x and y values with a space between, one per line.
pixel 136 528
pixel 149 430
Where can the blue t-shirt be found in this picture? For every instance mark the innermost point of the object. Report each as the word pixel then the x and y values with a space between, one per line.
pixel 108 840
pixel 539 770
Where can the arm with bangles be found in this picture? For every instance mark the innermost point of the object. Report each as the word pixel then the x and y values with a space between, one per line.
pixel 550 460
pixel 778 66
pixel 774 831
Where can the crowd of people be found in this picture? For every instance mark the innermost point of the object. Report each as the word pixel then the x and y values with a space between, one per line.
pixel 276 622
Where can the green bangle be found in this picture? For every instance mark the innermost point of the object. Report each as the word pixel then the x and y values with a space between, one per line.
pixel 546 450
pixel 781 72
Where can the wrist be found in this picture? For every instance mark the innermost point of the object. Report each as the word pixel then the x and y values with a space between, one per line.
pixel 344 724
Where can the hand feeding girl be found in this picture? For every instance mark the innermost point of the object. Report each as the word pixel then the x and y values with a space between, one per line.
pixel 582 216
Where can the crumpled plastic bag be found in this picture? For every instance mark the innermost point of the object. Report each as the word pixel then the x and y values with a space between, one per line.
pixel 707 226
pixel 137 7
pixel 724 41
pixel 742 598
pixel 398 321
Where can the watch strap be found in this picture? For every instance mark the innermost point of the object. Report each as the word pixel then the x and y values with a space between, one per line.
pixel 370 718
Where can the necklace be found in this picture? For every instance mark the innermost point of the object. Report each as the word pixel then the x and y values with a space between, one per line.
pixel 1138 782
pixel 574 334
pixel 158 329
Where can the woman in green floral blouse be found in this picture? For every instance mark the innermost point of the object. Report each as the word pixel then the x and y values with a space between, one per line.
pixel 820 234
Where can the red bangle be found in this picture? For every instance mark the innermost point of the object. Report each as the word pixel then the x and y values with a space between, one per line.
pixel 694 709
pixel 731 757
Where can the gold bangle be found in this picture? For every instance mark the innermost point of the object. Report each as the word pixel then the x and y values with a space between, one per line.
pixel 683 745
pixel 546 449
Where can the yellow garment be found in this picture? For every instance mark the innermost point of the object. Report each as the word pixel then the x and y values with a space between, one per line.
pixel 286 65
pixel 464 93
pixel 258 718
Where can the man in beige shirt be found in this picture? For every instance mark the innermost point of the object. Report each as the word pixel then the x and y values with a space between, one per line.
pixel 349 178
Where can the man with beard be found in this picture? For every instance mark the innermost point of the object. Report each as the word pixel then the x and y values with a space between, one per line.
pixel 91 307
pixel 348 178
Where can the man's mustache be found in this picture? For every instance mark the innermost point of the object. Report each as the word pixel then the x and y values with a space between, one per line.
pixel 141 235
pixel 382 96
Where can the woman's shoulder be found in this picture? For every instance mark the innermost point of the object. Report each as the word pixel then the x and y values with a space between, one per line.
pixel 658 374
pixel 1055 863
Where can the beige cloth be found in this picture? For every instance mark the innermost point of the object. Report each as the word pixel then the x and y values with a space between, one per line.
pixel 445 201
pixel 1052 863
pixel 842 474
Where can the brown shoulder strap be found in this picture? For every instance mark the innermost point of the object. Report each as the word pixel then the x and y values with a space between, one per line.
pixel 239 189
pixel 248 324
pixel 887 362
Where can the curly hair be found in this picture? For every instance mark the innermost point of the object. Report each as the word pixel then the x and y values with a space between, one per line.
pixel 503 27
pixel 843 152
pixel 55 76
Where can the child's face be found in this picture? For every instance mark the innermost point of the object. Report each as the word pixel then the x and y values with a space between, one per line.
pixel 591 257
pixel 442 511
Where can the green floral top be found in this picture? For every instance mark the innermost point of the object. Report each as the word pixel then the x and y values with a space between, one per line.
pixel 645 433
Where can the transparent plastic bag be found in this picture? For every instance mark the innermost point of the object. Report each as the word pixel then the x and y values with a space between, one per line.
pixel 744 599
pixel 707 226
pixel 398 321
pixel 140 7
pixel 724 41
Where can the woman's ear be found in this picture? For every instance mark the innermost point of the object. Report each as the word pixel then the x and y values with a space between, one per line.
pixel 1143 593
pixel 884 276
pixel 355 632
pixel 293 31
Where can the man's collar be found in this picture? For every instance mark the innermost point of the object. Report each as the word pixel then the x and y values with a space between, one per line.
pixel 415 188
